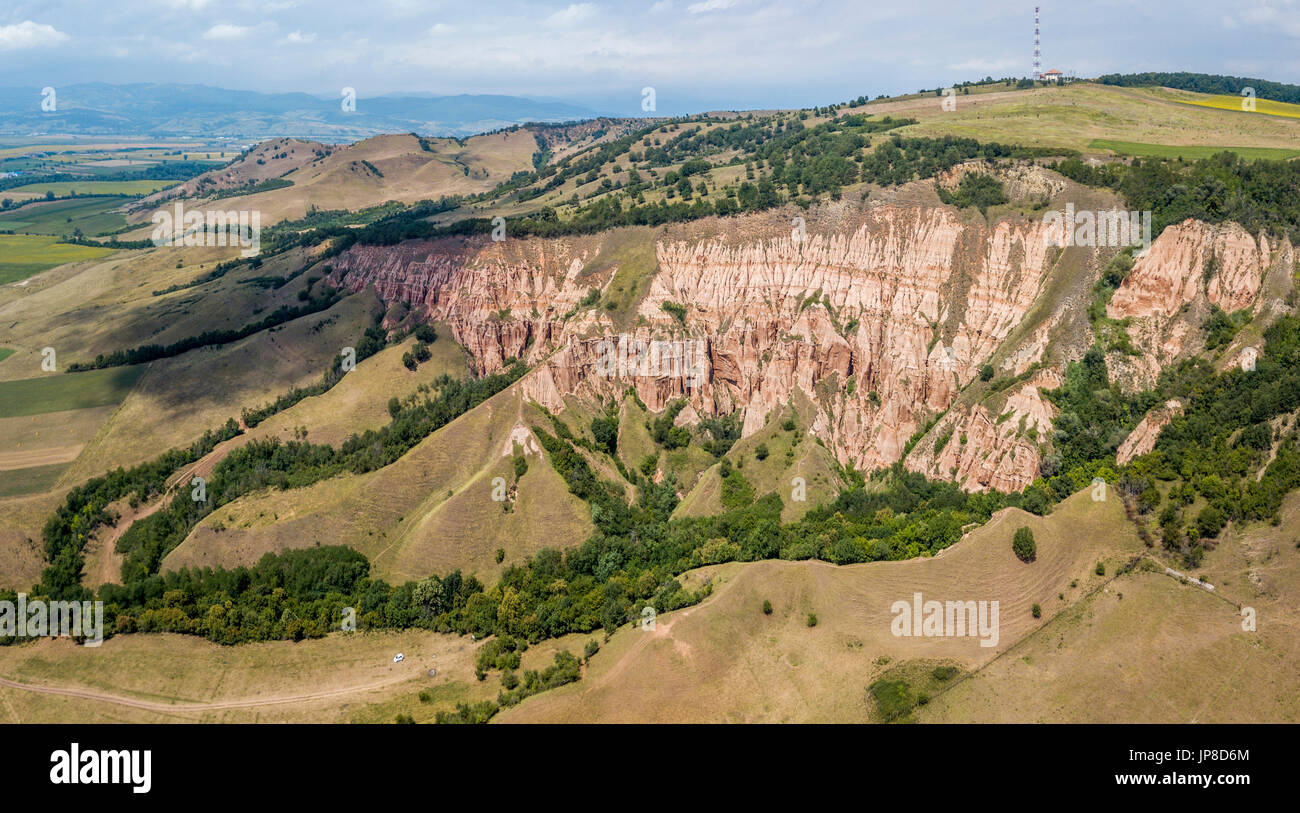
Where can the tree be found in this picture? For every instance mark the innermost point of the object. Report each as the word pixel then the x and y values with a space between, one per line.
pixel 605 430
pixel 1023 544
pixel 612 617
pixel 1209 522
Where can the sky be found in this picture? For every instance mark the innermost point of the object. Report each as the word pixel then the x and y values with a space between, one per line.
pixel 697 54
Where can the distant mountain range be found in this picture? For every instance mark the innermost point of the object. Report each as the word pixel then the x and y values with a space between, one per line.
pixel 199 110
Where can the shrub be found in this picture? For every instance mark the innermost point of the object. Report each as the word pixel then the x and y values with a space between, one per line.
pixel 767 607
pixel 986 372
pixel 1101 568
pixel 1209 522
pixel 894 699
pixel 761 451
pixel 812 619
pixel 1037 611
pixel 1023 544
pixel 944 673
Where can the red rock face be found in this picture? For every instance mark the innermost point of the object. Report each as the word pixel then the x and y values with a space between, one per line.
pixel 983 451
pixel 1189 267
pixel 1143 437
pixel 905 302
pixel 1224 262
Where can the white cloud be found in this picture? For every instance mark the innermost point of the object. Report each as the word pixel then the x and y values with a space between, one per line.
pixel 574 13
pixel 28 34
pixel 299 38
pixel 711 5
pixel 226 31
pixel 439 28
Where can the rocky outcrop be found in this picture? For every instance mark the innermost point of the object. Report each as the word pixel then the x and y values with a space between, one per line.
pixel 1188 260
pixel 1168 294
pixel 1143 437
pixel 879 314
pixel 981 450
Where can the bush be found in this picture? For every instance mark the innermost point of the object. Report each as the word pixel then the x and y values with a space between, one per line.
pixel 649 463
pixel 944 673
pixel 894 698
pixel 1037 611
pixel 761 451
pixel 591 649
pixel 767 607
pixel 1209 522
pixel 1101 568
pixel 812 619
pixel 605 430
pixel 1023 545
pixel 986 372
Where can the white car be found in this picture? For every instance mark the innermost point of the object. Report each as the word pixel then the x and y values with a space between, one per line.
pixel 398 658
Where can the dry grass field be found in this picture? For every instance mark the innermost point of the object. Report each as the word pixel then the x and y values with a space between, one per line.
pixel 370 172
pixel 432 511
pixel 725 661
pixel 1153 649
pixel 174 678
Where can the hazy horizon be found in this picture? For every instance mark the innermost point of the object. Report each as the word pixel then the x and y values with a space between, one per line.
pixel 702 55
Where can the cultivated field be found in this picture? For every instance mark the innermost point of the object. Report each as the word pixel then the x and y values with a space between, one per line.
pixel 23 255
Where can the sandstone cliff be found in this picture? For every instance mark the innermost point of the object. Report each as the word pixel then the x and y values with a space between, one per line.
pixel 882 318
pixel 1167 296
pixel 880 314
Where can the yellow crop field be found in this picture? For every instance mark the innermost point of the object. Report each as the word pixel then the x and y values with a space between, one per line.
pixel 1265 106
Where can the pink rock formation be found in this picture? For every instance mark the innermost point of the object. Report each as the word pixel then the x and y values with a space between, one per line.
pixel 905 302
pixel 1143 437
pixel 1188 258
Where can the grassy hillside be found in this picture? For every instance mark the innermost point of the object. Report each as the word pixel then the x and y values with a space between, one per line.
pixel 1153 649
pixel 430 512
pixel 726 661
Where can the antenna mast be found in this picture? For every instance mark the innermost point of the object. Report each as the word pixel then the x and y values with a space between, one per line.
pixel 1038 54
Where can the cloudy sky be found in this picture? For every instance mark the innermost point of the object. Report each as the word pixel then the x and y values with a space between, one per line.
pixel 697 54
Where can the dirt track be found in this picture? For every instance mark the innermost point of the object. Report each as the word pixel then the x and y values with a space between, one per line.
pixel 147 705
